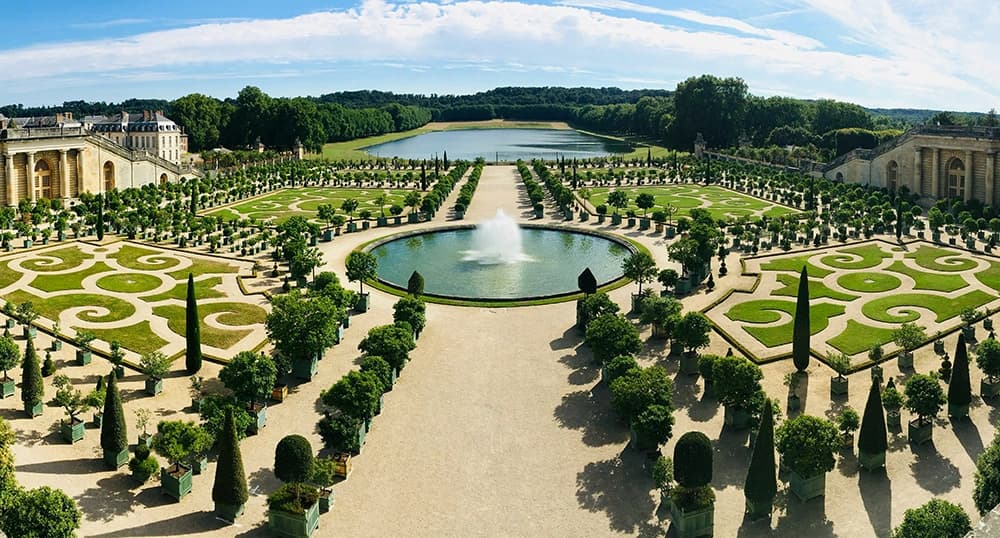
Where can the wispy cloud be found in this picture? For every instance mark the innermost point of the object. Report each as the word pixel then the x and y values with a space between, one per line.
pixel 109 24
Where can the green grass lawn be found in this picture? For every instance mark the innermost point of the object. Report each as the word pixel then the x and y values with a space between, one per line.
pixel 817 289
pixel 128 256
pixel 990 276
pixel 937 282
pixel 51 308
pixel 8 276
pixel 236 314
pixel 69 257
pixel 305 202
pixel 766 311
pixel 129 282
pixel 859 338
pixel 203 289
pixel 943 307
pixel 869 282
pixel 721 203
pixel 871 255
pixel 928 256
pixel 794 264
pixel 68 281
pixel 139 337
pixel 203 266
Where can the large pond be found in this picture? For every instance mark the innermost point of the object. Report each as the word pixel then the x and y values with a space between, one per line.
pixel 454 263
pixel 501 144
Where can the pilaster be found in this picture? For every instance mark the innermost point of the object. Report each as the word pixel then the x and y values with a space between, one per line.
pixel 918 172
pixel 990 175
pixel 63 176
pixel 935 172
pixel 30 177
pixel 969 176
pixel 11 187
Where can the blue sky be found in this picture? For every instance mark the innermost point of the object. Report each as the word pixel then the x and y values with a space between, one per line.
pixel 888 53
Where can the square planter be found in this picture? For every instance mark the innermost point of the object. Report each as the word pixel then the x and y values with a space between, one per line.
pixel 119 372
pixel 918 432
pixel 364 300
pixel 871 462
pixel 838 386
pixel 115 460
pixel 600 218
pixel 905 359
pixel 382 221
pixel 637 302
pixel 33 410
pixel 83 357
pixel 325 500
pixel 616 220
pixel 694 523
pixel 893 419
pixel 199 463
pixel 229 512
pixel 631 222
pixel 7 387
pixel 294 525
pixel 176 480
pixel 258 412
pixel 413 218
pixel 807 488
pixel 643 224
pixel 327 236
pixel 30 330
pixel 72 430
pixel 11 323
pixel 689 363
pixel 154 386
pixel 145 439
pixel 365 225
pixel 98 419
pixel 342 464
pixel 737 418
pixel 56 344
pixel 279 393
pixel 305 368
pixel 397 220
pixel 676 348
pixel 989 389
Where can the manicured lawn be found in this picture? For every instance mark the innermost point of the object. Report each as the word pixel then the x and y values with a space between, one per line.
pixel 203 289
pixel 139 337
pixel 990 276
pixel 69 257
pixel 869 282
pixel 51 308
pixel 128 256
pixel 305 202
pixel 202 266
pixel 817 289
pixel 68 281
pixel 766 311
pixel 943 307
pixel 721 203
pixel 8 276
pixel 938 282
pixel 928 257
pixel 236 314
pixel 129 282
pixel 859 338
pixel 794 264
pixel 870 254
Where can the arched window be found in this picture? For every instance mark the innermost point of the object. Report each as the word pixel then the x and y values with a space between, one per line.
pixel 892 175
pixel 43 180
pixel 109 176
pixel 840 177
pixel 956 178
pixel 163 179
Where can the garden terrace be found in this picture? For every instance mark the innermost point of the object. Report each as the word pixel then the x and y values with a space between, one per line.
pixel 280 206
pixel 721 203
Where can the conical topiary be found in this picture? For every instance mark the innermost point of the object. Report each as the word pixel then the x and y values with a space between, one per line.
pixel 100 217
pixel 872 441
pixel 192 334
pixel 230 489
pixel 114 437
pixel 32 386
pixel 761 485
pixel 959 388
pixel 415 286
pixel 800 331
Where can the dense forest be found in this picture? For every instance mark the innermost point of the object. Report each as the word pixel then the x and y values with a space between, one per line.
pixel 722 109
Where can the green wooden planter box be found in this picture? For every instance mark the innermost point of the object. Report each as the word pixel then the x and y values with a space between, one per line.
pixel 643 224
pixel 199 464
pixel 683 286
pixel 694 523
pixel 154 386
pixel 259 414
pixel 893 419
pixel 145 439
pixel 7 387
pixel 758 510
pixel 616 220
pixel 413 218
pixel 871 462
pixel 327 236
pixel 294 525
pixel 919 433
pixel 539 213
pixel 807 488
pixel 33 410
pixel 114 460
pixel 737 418
pixel 98 420
pixel 906 359
pixel 988 389
pixel 119 372
pixel 72 431
pixel 839 386
pixel 382 221
pixel 958 411
pixel 305 368
pixel 29 331
pixel 364 300
pixel 229 512
pixel 600 218
pixel 676 348
pixel 325 500
pixel 689 363
pixel 176 481
pixel 83 357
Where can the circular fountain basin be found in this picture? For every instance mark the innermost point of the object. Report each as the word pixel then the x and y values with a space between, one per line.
pixel 456 265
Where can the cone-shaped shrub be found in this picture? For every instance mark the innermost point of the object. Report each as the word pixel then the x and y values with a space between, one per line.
pixel 800 331
pixel 192 356
pixel 100 217
pixel 872 436
pixel 415 285
pixel 32 387
pixel 693 460
pixel 959 388
pixel 114 437
pixel 761 485
pixel 230 486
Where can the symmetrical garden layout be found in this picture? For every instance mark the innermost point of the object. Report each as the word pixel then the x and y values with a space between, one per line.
pixel 280 206
pixel 721 203
pixel 858 295
pixel 135 295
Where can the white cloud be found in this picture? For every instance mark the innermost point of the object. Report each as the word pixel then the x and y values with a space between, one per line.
pixel 920 56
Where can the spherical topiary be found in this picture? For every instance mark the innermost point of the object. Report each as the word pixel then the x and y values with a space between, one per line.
pixel 293 458
pixel 693 460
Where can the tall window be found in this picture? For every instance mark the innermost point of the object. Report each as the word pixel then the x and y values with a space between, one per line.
pixel 43 180
pixel 892 175
pixel 956 178
pixel 109 176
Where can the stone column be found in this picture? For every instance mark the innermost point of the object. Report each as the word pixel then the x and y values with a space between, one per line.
pixel 918 165
pixel 11 189
pixel 63 175
pixel 935 173
pixel 31 175
pixel 990 174
pixel 79 172
pixel 970 176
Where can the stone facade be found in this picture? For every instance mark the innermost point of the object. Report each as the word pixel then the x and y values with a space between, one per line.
pixel 934 162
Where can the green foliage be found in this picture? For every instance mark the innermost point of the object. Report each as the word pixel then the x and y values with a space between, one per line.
pixel 663 474
pixel 177 440
pixel 693 458
pixel 654 425
pixel 356 394
pixel 69 398
pixel 639 267
pixel 192 330
pixel 42 512
pixel 155 364
pixel 327 284
pixel 690 499
pixel 411 310
pixel 611 335
pixel 361 266
pixel 706 367
pixel 959 387
pixel 114 436
pixel 840 362
pixel 935 519
pixel 987 492
pixel 300 326
pixel 340 432
pixel 293 459
pixel 143 468
pixel 10 354
pixel 415 285
pixel 988 358
pixel 924 396
pixel 250 376
pixel 639 388
pixel 377 367
pixel 736 380
pixel 872 437
pixel 619 366
pixel 391 342
pixel 800 331
pixel 761 484
pixel 660 311
pixel 808 444
pixel 892 399
pixel 693 331
pixel 230 485
pixel 323 473
pixel 594 306
pixel 32 387
pixel 848 420
pixel 213 415
pixel 908 336
pixel 293 498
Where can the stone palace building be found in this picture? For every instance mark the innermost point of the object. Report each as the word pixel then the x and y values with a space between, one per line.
pixel 61 157
pixel 932 161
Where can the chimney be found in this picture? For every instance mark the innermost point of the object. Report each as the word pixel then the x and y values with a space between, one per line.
pixel 59 118
pixel 69 116
pixel 145 115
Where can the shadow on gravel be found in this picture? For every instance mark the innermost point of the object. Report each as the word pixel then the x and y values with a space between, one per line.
pixel 192 523
pixel 620 488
